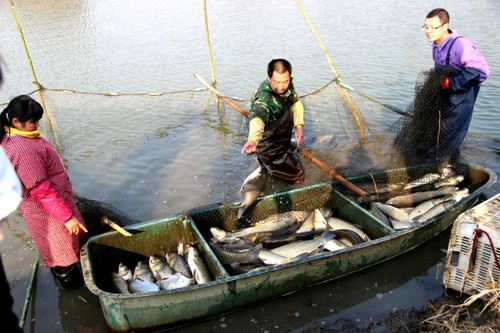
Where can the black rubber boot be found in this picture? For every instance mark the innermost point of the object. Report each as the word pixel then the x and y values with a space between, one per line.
pixel 69 277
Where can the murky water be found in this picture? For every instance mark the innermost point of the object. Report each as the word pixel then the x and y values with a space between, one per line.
pixel 151 159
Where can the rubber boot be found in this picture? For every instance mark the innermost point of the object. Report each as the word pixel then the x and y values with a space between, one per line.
pixel 69 277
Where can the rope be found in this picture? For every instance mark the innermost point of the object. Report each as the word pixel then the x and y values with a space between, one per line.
pixel 477 233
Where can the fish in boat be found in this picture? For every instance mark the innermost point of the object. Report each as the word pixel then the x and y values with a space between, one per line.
pixel 412 199
pixel 229 256
pixel 392 212
pixel 253 186
pixel 335 223
pixel 347 236
pixel 334 245
pixel 272 242
pixel 314 221
pixel 450 181
pixel 228 292
pixel 159 266
pixel 178 264
pixel 438 209
pixel 219 234
pixel 198 266
pixel 119 283
pixel 175 281
pixel 142 271
pixel 426 179
pixel 125 272
pixel 300 247
pixel 372 208
pixel 140 286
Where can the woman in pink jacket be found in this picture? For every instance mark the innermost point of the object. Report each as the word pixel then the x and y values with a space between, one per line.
pixel 48 205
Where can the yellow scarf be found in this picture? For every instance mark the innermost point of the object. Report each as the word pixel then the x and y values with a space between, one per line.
pixel 12 131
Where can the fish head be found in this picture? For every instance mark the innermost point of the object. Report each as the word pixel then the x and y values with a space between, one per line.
pixel 157 262
pixel 124 272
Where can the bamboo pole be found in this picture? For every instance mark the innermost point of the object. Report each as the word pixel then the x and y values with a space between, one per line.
pixel 51 124
pixel 304 153
pixel 209 45
pixel 224 98
pixel 346 100
pixel 29 292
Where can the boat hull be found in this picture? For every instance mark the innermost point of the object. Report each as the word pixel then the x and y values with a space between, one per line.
pixel 136 312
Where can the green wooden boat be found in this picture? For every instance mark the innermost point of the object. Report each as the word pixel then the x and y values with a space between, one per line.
pixel 163 309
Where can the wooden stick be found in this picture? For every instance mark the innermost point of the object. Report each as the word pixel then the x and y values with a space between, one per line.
pixel 209 45
pixel 225 99
pixel 116 226
pixel 304 153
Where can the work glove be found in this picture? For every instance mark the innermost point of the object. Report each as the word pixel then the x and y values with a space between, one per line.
pixel 445 83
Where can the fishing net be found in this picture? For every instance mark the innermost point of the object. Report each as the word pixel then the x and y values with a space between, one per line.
pixel 420 136
pixel 367 137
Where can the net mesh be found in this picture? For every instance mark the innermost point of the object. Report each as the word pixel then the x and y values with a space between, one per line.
pixel 347 131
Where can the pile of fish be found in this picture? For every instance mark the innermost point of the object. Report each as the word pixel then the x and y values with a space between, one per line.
pixel 176 269
pixel 430 195
pixel 282 238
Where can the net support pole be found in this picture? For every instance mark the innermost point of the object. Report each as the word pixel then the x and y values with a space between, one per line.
pixel 40 88
pixel 209 45
pixel 304 153
pixel 346 100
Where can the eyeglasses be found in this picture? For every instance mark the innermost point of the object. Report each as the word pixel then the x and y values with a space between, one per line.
pixel 429 28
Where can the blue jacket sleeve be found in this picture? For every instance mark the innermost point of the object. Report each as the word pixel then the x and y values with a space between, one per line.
pixel 465 79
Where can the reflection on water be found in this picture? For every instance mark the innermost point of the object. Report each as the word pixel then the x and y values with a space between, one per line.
pixel 153 156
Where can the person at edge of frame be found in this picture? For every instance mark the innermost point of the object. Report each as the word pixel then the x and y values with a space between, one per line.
pixel 48 206
pixel 276 111
pixel 10 198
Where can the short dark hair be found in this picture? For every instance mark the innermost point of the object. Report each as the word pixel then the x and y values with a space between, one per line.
pixel 443 15
pixel 279 65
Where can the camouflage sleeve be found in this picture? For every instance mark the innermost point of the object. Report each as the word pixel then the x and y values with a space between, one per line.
pixel 261 107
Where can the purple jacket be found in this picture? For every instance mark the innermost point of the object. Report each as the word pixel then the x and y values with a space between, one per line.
pixel 463 54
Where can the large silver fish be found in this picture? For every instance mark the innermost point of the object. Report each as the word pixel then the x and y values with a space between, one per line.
pixel 197 265
pixel 347 236
pixel 253 186
pixel 314 221
pixel 295 215
pixel 119 283
pixel 426 179
pixel 395 213
pixel 438 209
pixel 450 181
pixel 220 234
pixel 229 256
pixel 335 223
pixel 138 285
pixel 159 266
pixel 303 247
pixel 373 209
pixel 427 205
pixel 334 245
pixel 279 240
pixel 175 281
pixel 271 259
pixel 413 199
pixel 142 271
pixel 178 264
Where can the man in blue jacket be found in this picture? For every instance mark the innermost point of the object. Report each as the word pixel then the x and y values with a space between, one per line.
pixel 464 69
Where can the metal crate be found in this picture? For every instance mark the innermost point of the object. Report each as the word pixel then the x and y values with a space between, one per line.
pixel 470 263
